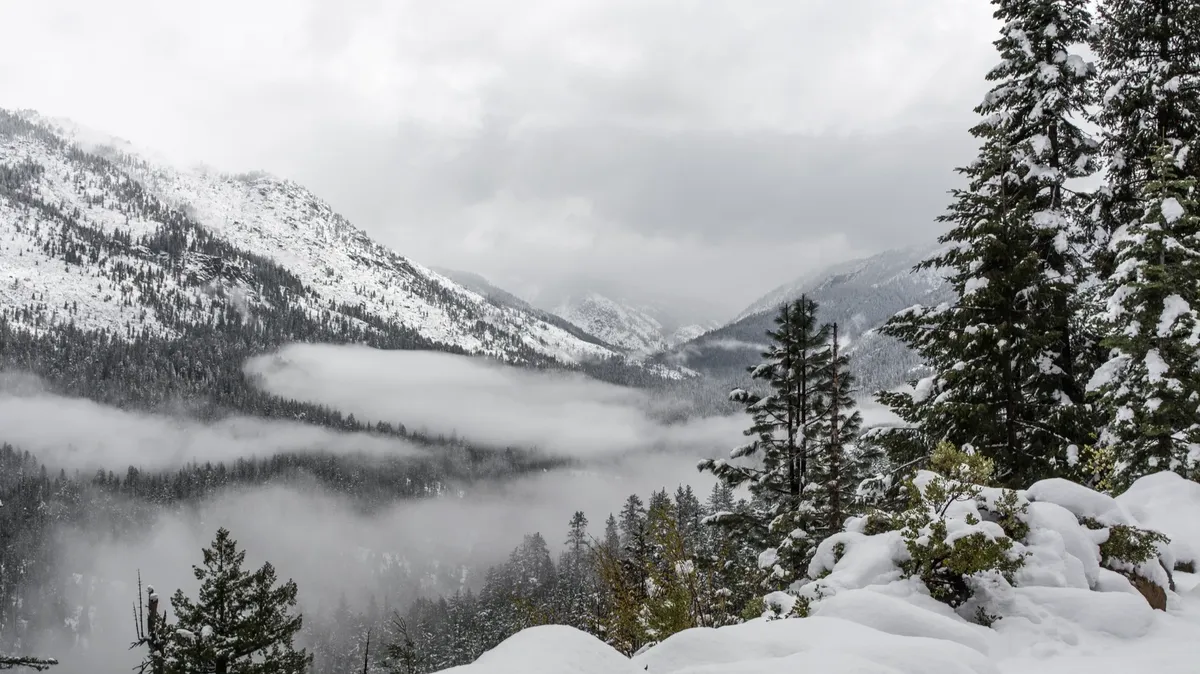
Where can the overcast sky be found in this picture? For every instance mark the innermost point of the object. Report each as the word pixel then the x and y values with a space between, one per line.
pixel 698 150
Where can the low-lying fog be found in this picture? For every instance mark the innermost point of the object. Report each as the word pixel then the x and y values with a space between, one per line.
pixel 330 547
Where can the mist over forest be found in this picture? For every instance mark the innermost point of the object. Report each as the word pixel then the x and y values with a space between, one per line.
pixel 602 442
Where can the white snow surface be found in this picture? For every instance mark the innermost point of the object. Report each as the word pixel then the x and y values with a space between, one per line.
pixel 640 330
pixel 257 213
pixel 1064 614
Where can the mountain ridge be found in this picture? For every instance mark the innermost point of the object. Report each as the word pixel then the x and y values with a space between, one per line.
pixel 860 295
pixel 171 278
pixel 286 223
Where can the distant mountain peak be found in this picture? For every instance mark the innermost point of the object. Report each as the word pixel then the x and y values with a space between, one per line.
pixel 639 329
pixel 861 295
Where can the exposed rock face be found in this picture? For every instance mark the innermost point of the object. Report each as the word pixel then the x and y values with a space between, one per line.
pixel 1155 595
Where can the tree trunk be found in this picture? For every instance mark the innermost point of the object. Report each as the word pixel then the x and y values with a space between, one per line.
pixel 835 450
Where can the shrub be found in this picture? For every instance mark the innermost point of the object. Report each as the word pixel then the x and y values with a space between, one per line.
pixel 950 549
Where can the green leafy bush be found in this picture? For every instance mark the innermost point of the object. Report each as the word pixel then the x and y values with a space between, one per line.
pixel 947 550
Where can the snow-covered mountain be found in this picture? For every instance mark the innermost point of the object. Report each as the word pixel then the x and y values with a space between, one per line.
pixel 96 234
pixel 639 329
pixel 860 295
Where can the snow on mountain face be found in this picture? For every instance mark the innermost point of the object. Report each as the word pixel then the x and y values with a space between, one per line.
pixel 55 198
pixel 860 295
pixel 639 330
pixel 882 270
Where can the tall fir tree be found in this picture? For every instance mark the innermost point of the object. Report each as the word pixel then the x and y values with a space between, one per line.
pixel 774 464
pixel 577 587
pixel 1005 357
pixel 1149 53
pixel 1149 95
pixel 1149 389
pixel 242 622
pixel 839 467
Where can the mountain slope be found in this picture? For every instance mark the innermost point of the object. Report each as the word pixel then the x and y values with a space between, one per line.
pixel 138 284
pixel 640 330
pixel 859 295
pixel 501 297
pixel 339 267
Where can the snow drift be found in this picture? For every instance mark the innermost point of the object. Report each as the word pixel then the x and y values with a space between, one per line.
pixel 1067 609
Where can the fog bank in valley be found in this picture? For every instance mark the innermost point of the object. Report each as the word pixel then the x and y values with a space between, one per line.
pixel 78 434
pixel 329 543
pixel 485 402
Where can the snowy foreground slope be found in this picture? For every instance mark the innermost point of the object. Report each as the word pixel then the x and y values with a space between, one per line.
pixel 1064 614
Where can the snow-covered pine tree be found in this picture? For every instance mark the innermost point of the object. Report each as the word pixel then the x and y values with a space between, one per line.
pixel 838 467
pixel 241 622
pixel 1149 59
pixel 671 587
pixel 1003 355
pixel 1149 390
pixel 1149 54
pixel 578 591
pixel 780 515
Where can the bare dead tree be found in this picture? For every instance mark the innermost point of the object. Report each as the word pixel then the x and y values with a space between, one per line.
pixel 148 625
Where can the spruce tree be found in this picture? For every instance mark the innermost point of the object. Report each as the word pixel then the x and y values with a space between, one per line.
pixel 241 623
pixel 1149 58
pixel 1005 357
pixel 577 587
pixel 1149 53
pixel 783 420
pixel 839 466
pixel 1149 390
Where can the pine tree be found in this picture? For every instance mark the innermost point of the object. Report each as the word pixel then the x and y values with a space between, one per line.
pixel 612 535
pixel 578 591
pixel 783 421
pixel 1149 54
pixel 671 590
pixel 1149 57
pixel 1005 356
pixel 1149 390
pixel 241 623
pixel 690 515
pixel 838 466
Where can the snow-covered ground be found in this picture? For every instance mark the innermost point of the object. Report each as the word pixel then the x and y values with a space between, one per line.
pixel 1065 613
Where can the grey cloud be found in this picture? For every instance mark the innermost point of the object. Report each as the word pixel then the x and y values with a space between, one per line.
pixel 764 186
pixel 555 141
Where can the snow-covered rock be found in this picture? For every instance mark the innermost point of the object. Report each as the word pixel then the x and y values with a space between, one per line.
pixel 550 649
pixel 1064 613
pixel 1168 503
